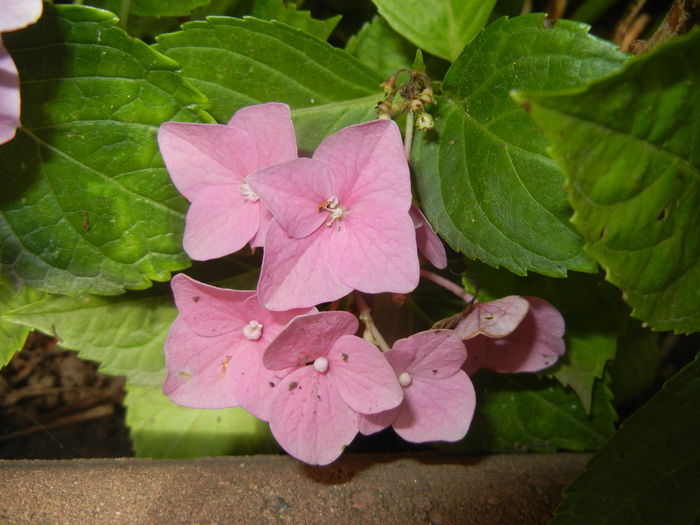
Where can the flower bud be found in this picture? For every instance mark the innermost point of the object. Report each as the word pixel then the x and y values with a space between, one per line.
pixel 424 122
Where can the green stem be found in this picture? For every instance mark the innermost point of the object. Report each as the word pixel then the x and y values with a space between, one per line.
pixel 408 138
pixel 124 14
pixel 447 285
pixel 372 333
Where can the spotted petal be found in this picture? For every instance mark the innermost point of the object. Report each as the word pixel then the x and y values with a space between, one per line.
pixel 495 318
pixel 432 354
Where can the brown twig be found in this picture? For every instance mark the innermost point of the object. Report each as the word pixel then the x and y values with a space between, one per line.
pixel 623 26
pixel 679 20
pixel 556 9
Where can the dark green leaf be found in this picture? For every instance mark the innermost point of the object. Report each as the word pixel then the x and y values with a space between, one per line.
pixel 86 205
pixel 241 62
pixel 13 335
pixel 288 13
pixel 649 472
pixel 157 7
pixel 630 148
pixel 486 182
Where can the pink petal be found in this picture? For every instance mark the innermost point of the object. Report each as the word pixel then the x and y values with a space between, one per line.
pixel 297 273
pixel 219 222
pixel 307 337
pixel 429 244
pixel 369 424
pixel 309 419
pixel 16 14
pixel 436 410
pixel 495 318
pixel 295 192
pixel 433 354
pixel 209 311
pixel 198 155
pixel 365 379
pixel 535 345
pixel 258 240
pixel 270 125
pixel 9 96
pixel 198 368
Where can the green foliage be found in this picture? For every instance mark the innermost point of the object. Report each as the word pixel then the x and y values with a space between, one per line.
pixel 86 204
pixel 12 336
pixel 440 27
pixel 162 429
pixel 288 13
pixel 241 62
pixel 648 472
pixel 157 7
pixel 485 181
pixel 630 148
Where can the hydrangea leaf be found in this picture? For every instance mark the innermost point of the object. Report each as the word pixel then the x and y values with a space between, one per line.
pixel 527 413
pixel 485 180
pixel 13 335
pixel 595 318
pixel 241 62
pixel 86 205
pixel 440 27
pixel 629 146
pixel 648 472
pixel 289 14
pixel 157 7
pixel 161 429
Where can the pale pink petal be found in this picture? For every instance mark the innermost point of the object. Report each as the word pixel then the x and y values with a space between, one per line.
pixel 16 14
pixel 271 127
pixel 375 254
pixel 436 410
pixel 495 318
pixel 296 272
pixel 198 155
pixel 432 354
pixel 307 337
pixel 295 192
pixel 9 96
pixel 209 311
pixel 429 244
pixel 198 368
pixel 535 345
pixel 219 222
pixel 365 379
pixel 309 419
pixel 368 162
pixel 258 240
pixel 372 423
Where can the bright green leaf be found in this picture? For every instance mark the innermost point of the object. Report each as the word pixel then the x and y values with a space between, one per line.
pixel 86 205
pixel 13 335
pixel 630 148
pixel 288 13
pixel 241 62
pixel 486 182
pixel 647 473
pixel 157 7
pixel 162 429
pixel 440 27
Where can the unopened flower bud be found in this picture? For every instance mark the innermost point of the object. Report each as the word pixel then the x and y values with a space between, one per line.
pixel 416 106
pixel 424 122
pixel 426 96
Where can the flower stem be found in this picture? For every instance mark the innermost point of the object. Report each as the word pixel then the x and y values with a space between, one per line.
pixel 408 138
pixel 124 14
pixel 448 285
pixel 371 333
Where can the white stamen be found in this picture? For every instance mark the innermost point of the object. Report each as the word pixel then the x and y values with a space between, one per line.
pixel 321 364
pixel 253 330
pixel 247 191
pixel 335 209
pixel 404 379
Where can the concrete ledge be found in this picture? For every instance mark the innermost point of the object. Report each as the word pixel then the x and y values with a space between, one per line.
pixel 357 489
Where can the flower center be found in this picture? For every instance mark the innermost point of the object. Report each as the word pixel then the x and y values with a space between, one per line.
pixel 404 379
pixel 321 364
pixel 247 192
pixel 334 209
pixel 253 330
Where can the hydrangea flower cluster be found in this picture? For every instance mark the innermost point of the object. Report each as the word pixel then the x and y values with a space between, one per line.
pixel 337 223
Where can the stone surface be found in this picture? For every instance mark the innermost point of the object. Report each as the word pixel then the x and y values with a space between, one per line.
pixel 357 489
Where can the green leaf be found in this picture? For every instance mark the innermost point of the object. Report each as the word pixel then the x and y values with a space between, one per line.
pixel 86 205
pixel 241 62
pixel 527 413
pixel 648 472
pixel 630 148
pixel 157 7
pixel 378 46
pixel 440 27
pixel 595 317
pixel 288 13
pixel 12 335
pixel 162 429
pixel 486 182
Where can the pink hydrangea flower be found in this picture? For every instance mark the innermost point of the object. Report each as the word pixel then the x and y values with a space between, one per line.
pixel 336 375
pixel 14 14
pixel 439 398
pixel 342 220
pixel 513 334
pixel 429 244
pixel 215 346
pixel 210 165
